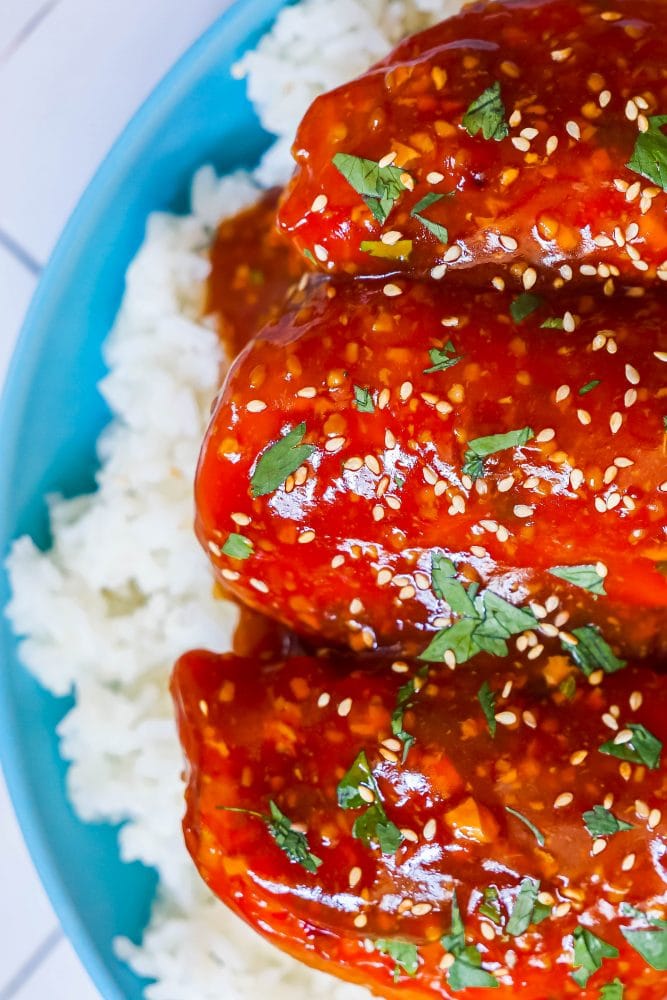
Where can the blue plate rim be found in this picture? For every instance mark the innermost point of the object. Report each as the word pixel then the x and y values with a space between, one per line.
pixel 17 382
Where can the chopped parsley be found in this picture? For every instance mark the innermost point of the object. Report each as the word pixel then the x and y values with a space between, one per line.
pixel 440 232
pixel 379 187
pixel 527 909
pixel 238 547
pixel 649 157
pixel 650 943
pixel 363 400
pixel 539 836
pixel 466 970
pixel 279 461
pixel 552 323
pixel 589 953
pixel 373 825
pixel 524 305
pixel 487 620
pixel 600 822
pixel 404 699
pixel 484 447
pixel 592 652
pixel 442 358
pixel 404 954
pixel 585 389
pixel 293 843
pixel 612 991
pixel 643 748
pixel 487 700
pixel 486 114
pixel 309 257
pixel 586 577
pixel 490 908
pixel 400 250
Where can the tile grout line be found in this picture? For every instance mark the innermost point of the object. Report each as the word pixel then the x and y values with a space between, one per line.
pixel 32 964
pixel 27 29
pixel 20 253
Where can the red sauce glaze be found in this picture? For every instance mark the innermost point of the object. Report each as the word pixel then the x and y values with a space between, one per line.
pixel 288 732
pixel 554 193
pixel 342 545
pixel 253 269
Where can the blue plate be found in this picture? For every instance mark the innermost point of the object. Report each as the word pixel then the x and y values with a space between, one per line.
pixel 50 417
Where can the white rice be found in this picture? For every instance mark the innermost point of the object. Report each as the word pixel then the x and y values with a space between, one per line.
pixel 124 590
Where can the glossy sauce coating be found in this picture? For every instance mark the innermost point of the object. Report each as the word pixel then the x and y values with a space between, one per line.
pixel 342 546
pixel 253 269
pixel 288 732
pixel 551 201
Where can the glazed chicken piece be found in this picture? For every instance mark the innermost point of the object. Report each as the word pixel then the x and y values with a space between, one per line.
pixel 524 140
pixel 425 837
pixel 386 462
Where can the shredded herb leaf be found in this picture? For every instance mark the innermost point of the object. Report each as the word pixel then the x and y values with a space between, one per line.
pixel 293 843
pixel 527 909
pixel 612 991
pixel 600 822
pixel 487 700
pixel 592 652
pixel 400 250
pixel 466 970
pixel 490 908
pixel 651 943
pixel 379 187
pixel 279 461
pixel 309 257
pixel 374 823
pixel 643 748
pixel 363 400
pixel 484 447
pixel 238 547
pixel 585 389
pixel 539 836
pixel 403 953
pixel 442 358
pixel 487 114
pixel 552 323
pixel 404 698
pixel 440 232
pixel 589 953
pixel 649 157
pixel 586 577
pixel 524 305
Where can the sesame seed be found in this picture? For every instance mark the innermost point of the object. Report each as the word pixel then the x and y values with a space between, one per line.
pixel 241 519
pixel 631 111
pixel 633 191
pixel 615 422
pixel 506 484
pixel 562 393
pixel 320 203
pixel 256 406
pixel 378 512
pixel 660 355
pixel 562 909
pixel 529 133
pixel 528 278
pixel 578 757
pixel 641 809
pixel 548 434
pixel 487 931
pixel 421 909
pixel 625 771
pixel 625 736
pixel 389 755
pixel 334 444
pixel 523 510
pixel 447 961
pixel 391 238
pixel 306 537
pixel 434 177
pixel 387 159
pixel 392 744
pixel 598 846
pixel 231 575
pixel 308 392
pixel 552 144
pixel 323 699
pixel 354 878
pixel 399 667
pixel 573 130
pixel 453 253
pixel 405 391
pixel 321 253
pixel 604 98
pixel 356 606
pixel 438 271
pixel 654 818
pixel 372 464
pixel 353 464
pixel 392 291
pixel 560 55
pixel 259 585
pixel 509 243
pixel 610 721
pixel 628 862
pixel 630 398
pixel 584 417
pixel 563 800
pixel 529 719
pixel 636 700
pixel 367 794
pixel 361 920
pixel 506 718
pixel 515 118
pixel 450 659
pixel 608 800
pixel 345 707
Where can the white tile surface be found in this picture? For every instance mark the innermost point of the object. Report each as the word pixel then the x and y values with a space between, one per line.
pixel 72 72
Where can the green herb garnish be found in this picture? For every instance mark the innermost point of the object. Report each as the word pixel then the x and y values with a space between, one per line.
pixel 586 577
pixel 524 305
pixel 440 232
pixel 539 836
pixel 379 187
pixel 442 358
pixel 649 157
pixel 490 908
pixel 589 953
pixel 600 822
pixel 487 114
pixel 466 970
pixel 374 823
pixel 651 943
pixel 643 748
pixel 484 447
pixel 552 323
pixel 612 991
pixel 404 699
pixel 238 547
pixel 363 400
pixel 487 700
pixel 400 250
pixel 527 909
pixel 279 461
pixel 592 652
pixel 293 843
pixel 403 953
pixel 585 389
